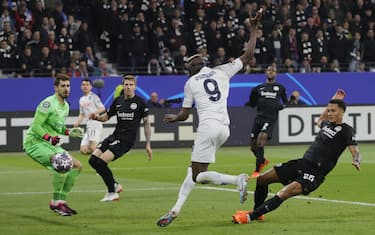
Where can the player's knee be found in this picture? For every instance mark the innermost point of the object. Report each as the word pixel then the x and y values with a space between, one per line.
pixel 93 161
pixel 90 149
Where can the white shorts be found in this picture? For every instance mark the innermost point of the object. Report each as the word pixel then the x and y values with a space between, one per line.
pixel 93 133
pixel 210 136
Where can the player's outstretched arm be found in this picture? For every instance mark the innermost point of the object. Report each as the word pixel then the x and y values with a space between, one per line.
pixel 249 52
pixel 339 94
pixel 99 117
pixel 181 116
pixel 354 150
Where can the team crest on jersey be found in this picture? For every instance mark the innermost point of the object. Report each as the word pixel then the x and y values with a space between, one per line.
pixel 338 128
pixel 133 106
pixel 276 88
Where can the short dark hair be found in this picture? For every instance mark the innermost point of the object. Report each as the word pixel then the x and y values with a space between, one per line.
pixel 339 102
pixel 86 80
pixel 60 77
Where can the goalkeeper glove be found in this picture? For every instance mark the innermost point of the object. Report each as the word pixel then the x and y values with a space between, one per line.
pixel 54 140
pixel 76 132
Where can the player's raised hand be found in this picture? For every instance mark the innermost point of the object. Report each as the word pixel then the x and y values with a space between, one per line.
pixel 339 94
pixel 255 21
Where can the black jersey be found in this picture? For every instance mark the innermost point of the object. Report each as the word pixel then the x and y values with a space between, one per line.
pixel 328 145
pixel 266 97
pixel 129 113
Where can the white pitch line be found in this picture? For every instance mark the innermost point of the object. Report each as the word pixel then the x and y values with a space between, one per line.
pixel 199 187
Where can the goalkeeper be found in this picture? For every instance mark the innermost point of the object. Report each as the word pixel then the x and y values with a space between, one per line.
pixel 42 141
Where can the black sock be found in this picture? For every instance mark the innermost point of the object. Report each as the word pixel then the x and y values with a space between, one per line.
pixel 266 207
pixel 103 170
pixel 260 157
pixel 260 195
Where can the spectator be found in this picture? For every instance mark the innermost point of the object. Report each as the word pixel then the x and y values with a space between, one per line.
pixel 103 70
pixel 65 38
pixel 73 25
pixel 369 47
pixel 6 31
pixel 52 41
pixel 24 18
pixel 275 40
pixel 181 59
pixel 62 57
pixel 83 70
pixel 27 62
pixel 239 42
pixel 35 44
pixel 335 66
pixel 153 67
pixel 7 58
pixel 263 50
pixel 38 12
pixel 59 15
pixel 198 38
pixel 220 57
pixel 83 37
pixel 138 48
pixel 6 17
pixel 294 99
pixel 290 49
pixel 175 35
pixel 167 62
pixel 339 45
pixel 214 38
pixel 73 69
pixel 90 58
pixel 356 53
pixel 153 102
pixel 46 63
pixel 319 48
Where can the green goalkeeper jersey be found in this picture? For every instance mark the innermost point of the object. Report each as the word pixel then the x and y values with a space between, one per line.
pixel 49 118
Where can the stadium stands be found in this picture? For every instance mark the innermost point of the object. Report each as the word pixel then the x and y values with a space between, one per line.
pixel 40 37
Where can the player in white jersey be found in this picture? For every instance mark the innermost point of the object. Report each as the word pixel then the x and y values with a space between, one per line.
pixel 89 103
pixel 208 89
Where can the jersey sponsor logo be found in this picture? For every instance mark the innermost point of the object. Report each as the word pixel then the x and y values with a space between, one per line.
pixel 329 132
pixel 268 94
pixel 125 116
pixel 133 106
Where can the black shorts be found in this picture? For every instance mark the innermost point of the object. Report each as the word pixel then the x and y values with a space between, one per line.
pixel 262 125
pixel 301 171
pixel 117 146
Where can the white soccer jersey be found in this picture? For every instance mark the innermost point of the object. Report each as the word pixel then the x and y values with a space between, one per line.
pixel 89 104
pixel 209 90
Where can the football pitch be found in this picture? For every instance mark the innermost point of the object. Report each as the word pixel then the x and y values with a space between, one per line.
pixel 344 204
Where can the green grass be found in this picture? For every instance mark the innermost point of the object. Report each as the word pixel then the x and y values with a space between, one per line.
pixel 151 188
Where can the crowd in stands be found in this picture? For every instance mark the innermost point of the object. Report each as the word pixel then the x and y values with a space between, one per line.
pixel 42 37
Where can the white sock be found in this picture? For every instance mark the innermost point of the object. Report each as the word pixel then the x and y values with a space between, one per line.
pixel 213 177
pixel 185 190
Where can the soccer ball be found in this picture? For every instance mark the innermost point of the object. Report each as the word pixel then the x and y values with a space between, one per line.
pixel 62 162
